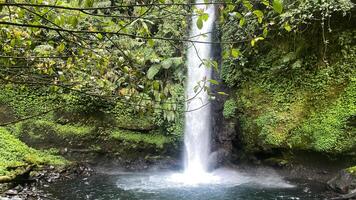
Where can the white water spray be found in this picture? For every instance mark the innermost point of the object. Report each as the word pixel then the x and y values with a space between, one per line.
pixel 197 122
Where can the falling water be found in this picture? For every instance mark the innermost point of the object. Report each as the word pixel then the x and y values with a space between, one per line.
pixel 197 122
pixel 198 127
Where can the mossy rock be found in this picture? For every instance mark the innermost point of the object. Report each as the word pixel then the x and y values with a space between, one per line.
pixel 276 162
pixel 352 170
pixel 344 181
pixel 155 139
pixel 14 154
pixel 46 134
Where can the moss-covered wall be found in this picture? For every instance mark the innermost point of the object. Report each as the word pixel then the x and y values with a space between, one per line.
pixel 294 91
pixel 88 124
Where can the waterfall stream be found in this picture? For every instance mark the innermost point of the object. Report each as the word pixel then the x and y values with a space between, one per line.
pixel 197 122
pixel 198 115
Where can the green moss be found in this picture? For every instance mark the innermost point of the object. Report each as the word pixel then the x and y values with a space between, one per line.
pixel 63 131
pixel 310 106
pixel 328 126
pixel 230 108
pixel 352 170
pixel 15 153
pixel 68 130
pixel 300 121
pixel 135 137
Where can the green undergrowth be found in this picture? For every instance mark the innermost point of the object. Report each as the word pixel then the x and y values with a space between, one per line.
pixel 230 108
pixel 45 131
pixel 41 127
pixel 127 116
pixel 300 121
pixel 158 140
pixel 85 122
pixel 14 153
pixel 291 95
pixel 25 101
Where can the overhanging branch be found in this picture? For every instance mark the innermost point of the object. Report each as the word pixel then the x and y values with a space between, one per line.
pixel 112 33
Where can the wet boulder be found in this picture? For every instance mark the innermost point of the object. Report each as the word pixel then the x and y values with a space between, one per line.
pixel 218 158
pixel 344 182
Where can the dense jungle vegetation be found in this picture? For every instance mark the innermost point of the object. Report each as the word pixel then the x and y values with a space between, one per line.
pixel 109 76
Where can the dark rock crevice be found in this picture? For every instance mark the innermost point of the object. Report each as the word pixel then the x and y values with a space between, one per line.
pixel 224 138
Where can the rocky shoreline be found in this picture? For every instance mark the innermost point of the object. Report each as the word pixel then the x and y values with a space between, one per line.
pixel 27 188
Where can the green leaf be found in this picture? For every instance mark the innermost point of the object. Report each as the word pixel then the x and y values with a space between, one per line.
pixel 235 53
pixel 205 16
pixel 215 65
pixel 89 3
pixel 297 64
pixel 73 20
pixel 226 54
pixel 60 48
pixel 156 85
pixel 59 20
pixel 177 61
pixel 287 27
pixel 265 2
pixel 145 27
pixel 152 71
pixel 166 64
pixel 230 7
pixel 253 42
pixel 200 23
pixel 247 4
pixel 99 36
pixel 242 21
pixel 278 6
pixel 259 15
pixel 214 82
pixel 169 62
pixel 223 93
pixel 265 32
pixel 151 42
pixel 238 15
pixel 43 49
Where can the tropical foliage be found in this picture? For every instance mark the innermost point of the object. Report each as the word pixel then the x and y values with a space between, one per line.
pixel 115 71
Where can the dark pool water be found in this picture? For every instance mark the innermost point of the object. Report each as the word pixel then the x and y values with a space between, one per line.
pixel 140 186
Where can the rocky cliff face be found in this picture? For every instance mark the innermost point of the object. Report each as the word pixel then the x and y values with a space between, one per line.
pixel 224 131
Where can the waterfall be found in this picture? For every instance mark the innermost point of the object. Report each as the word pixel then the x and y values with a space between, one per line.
pixel 198 127
pixel 198 115
pixel 197 121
